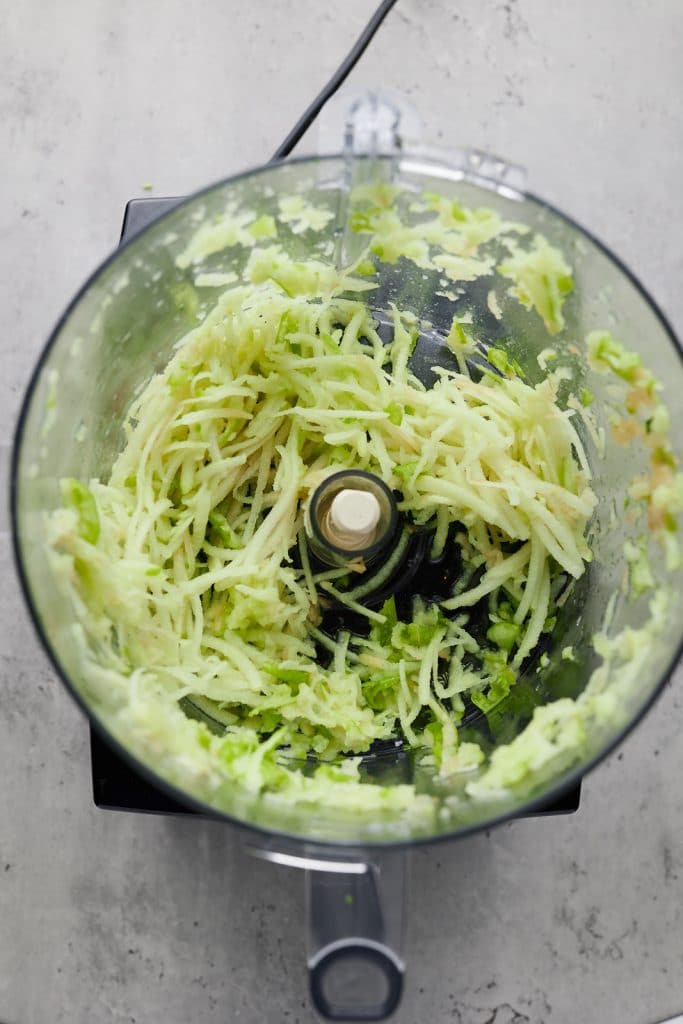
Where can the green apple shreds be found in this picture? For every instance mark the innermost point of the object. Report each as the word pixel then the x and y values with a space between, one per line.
pixel 189 567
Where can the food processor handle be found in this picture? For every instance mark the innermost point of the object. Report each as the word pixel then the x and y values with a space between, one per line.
pixel 355 904
pixel 355 938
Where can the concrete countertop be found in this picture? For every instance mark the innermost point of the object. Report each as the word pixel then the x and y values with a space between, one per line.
pixel 121 918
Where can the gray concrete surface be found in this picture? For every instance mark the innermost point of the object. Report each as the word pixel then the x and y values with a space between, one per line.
pixel 121 918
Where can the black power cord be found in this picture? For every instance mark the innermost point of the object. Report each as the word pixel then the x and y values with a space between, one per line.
pixel 339 76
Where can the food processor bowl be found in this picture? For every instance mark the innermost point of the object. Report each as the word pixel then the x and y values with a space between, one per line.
pixel 122 328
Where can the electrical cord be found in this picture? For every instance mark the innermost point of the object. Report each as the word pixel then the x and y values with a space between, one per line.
pixel 337 79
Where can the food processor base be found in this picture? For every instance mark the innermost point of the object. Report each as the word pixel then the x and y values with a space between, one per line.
pixel 117 787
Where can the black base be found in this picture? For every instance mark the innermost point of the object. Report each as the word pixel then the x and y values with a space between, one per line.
pixel 116 786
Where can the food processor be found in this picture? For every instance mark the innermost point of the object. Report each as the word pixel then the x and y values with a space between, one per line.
pixel 123 327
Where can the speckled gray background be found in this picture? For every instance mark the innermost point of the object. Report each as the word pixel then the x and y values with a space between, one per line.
pixel 118 918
